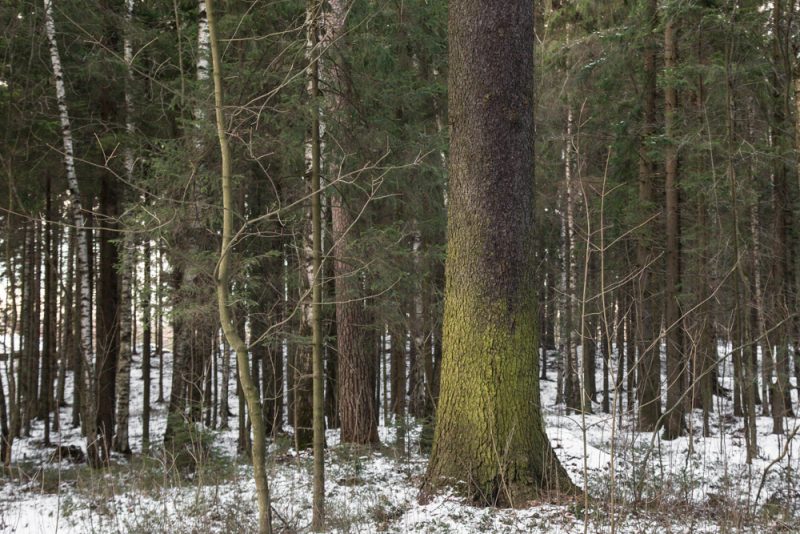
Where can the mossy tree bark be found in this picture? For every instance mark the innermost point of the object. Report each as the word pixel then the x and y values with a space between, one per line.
pixel 489 429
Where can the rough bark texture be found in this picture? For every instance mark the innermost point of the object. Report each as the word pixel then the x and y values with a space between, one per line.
pixel 356 364
pixel 649 362
pixel 107 316
pixel 489 430
pixel 780 207
pixel 123 377
pixel 675 422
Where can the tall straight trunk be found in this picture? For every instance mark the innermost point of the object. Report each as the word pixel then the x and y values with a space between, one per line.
pixel 5 432
pixel 742 343
pixel 77 354
pixel 23 371
pixel 356 363
pixel 34 326
pixel 160 324
pixel 703 351
pixel 605 345
pixel 46 402
pixel 589 339
pixel 760 325
pixel 419 404
pixel 630 358
pixel 223 291
pixel 66 335
pixel 108 309
pixel 82 265
pixel 398 370
pixel 192 327
pixel 490 363
pixel 313 15
pixel 146 340
pixel 273 384
pixel 780 207
pixel 572 387
pixel 620 342
pixel 215 358
pixel 8 434
pixel 127 333
pixel 675 420
pixel 649 359
pixel 123 371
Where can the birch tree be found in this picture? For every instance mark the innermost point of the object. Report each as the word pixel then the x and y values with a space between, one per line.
pixel 82 264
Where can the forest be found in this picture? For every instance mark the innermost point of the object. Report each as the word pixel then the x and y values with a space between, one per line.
pixel 352 266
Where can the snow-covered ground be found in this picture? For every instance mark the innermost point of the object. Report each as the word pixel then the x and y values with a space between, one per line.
pixel 692 484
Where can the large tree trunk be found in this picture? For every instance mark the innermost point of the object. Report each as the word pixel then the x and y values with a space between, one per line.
pixel 107 316
pixel 675 422
pixel 649 362
pixel 356 363
pixel 781 207
pixel 490 387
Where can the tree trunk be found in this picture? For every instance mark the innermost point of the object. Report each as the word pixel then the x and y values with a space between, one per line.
pixel 780 207
pixel 123 374
pixel 84 307
pixel 160 324
pixel 675 420
pixel 649 362
pixel 490 363
pixel 314 273
pixel 356 363
pixel 146 340
pixel 46 400
pixel 107 322
pixel 223 292
pixel 572 387
pixel 127 323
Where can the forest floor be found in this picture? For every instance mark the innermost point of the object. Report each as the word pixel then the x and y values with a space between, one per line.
pixel 691 484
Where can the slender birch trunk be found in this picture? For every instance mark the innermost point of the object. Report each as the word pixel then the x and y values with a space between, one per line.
pixel 572 386
pixel 127 340
pixel 73 191
pixel 123 378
